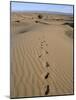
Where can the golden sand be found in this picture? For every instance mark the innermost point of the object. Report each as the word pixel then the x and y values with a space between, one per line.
pixel 41 55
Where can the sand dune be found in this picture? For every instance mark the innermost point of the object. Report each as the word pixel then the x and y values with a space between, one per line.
pixel 41 55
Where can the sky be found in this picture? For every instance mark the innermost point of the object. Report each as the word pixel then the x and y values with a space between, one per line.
pixel 23 6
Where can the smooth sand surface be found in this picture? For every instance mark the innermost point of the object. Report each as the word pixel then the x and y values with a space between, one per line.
pixel 41 55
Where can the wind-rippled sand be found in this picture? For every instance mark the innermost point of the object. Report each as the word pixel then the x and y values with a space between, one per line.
pixel 41 55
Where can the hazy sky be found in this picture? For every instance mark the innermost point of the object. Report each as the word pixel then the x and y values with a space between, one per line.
pixel 18 6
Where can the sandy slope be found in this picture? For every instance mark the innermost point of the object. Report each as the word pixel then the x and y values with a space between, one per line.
pixel 33 45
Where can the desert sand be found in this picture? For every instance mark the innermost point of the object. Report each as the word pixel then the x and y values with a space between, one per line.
pixel 41 54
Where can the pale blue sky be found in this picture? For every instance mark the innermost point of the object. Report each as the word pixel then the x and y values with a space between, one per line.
pixel 23 6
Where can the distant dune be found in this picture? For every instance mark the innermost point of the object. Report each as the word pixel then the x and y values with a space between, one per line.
pixel 41 54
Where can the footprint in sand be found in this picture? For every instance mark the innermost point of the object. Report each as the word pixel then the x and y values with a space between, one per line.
pixel 40 56
pixel 41 45
pixel 46 75
pixel 17 21
pixel 47 64
pixel 42 42
pixel 46 52
pixel 47 90
pixel 36 21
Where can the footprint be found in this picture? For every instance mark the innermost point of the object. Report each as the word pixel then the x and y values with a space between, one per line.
pixel 17 21
pixel 46 75
pixel 41 45
pixel 36 21
pixel 47 90
pixel 47 64
pixel 43 41
pixel 40 56
pixel 46 52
